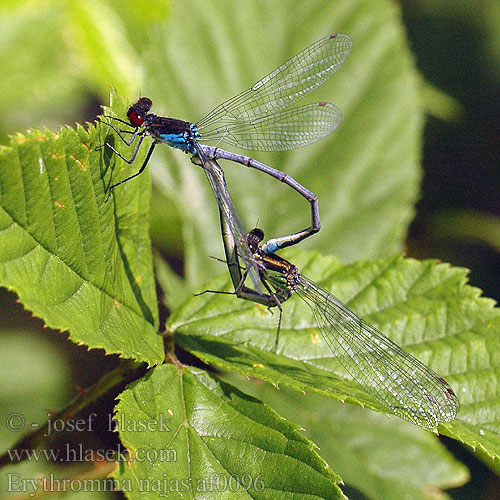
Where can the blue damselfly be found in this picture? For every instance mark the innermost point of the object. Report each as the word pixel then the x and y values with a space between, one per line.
pixel 256 119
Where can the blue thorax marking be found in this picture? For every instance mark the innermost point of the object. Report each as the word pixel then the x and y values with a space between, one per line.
pixel 182 140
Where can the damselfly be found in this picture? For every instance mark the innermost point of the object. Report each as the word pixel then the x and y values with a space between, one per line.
pixel 233 230
pixel 256 119
pixel 404 385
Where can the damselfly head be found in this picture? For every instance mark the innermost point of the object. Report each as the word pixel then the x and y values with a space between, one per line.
pixel 254 238
pixel 138 111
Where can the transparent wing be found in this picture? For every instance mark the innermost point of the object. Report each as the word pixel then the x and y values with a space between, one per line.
pixel 217 181
pixel 288 129
pixel 293 80
pixel 387 372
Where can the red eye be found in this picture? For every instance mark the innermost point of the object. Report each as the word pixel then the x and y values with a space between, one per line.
pixel 135 119
pixel 137 112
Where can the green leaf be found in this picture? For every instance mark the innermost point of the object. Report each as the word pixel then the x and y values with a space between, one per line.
pixel 385 459
pixel 470 226
pixel 28 394
pixel 41 84
pixel 426 307
pixel 35 379
pixel 192 436
pixel 366 174
pixel 78 263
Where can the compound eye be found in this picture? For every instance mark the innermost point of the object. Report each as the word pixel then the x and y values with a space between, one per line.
pixel 254 237
pixel 135 119
pixel 137 112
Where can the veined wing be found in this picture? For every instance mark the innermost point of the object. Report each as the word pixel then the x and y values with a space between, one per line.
pixel 217 181
pixel 387 372
pixel 293 80
pixel 287 129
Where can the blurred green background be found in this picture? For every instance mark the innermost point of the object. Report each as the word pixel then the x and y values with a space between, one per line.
pixel 413 166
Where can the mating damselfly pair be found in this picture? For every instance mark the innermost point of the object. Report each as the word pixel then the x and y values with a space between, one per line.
pixel 259 119
pixel 256 119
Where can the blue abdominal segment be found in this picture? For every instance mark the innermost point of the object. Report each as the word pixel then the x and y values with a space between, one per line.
pixel 270 247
